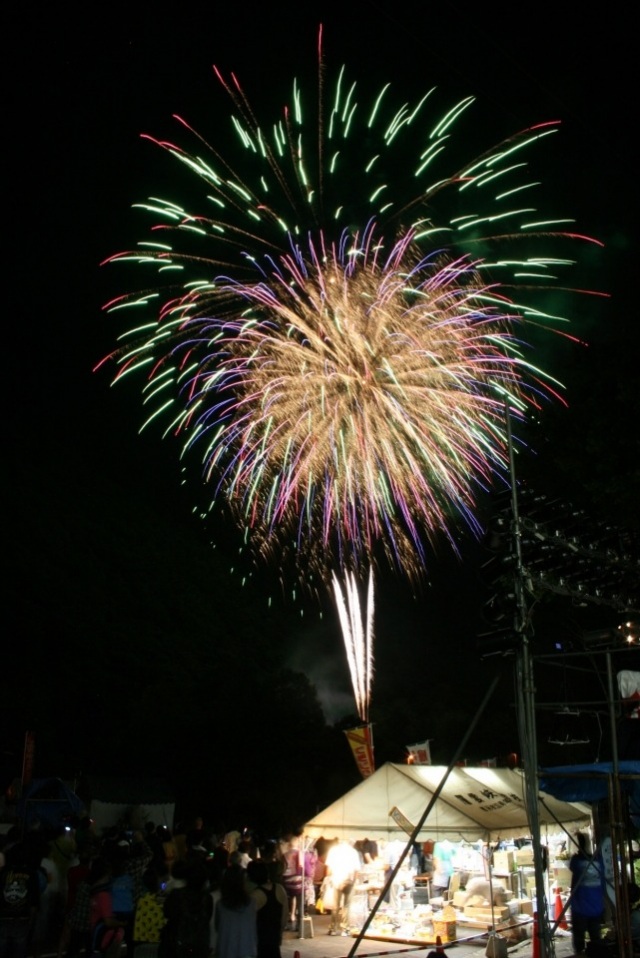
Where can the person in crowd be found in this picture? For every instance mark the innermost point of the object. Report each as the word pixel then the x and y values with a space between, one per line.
pixel 85 836
pixel 48 923
pixel 107 932
pixel 195 854
pixel 392 854
pixel 188 911
pixel 269 855
pixel 587 894
pixel 321 848
pixel 271 909
pixel 253 843
pixel 79 917
pixel 236 917
pixel 243 852
pixel 215 871
pixel 149 918
pixel 415 858
pixel 218 860
pixel 293 876
pixel 180 841
pixel 427 859
pixel 197 836
pixel 442 868
pixel 230 840
pixel 369 850
pixel 310 859
pixel 343 864
pixel 138 861
pixel 154 842
pixel 63 851
pixel 78 872
pixel 19 899
pixel 122 889
pixel 169 848
pixel 177 878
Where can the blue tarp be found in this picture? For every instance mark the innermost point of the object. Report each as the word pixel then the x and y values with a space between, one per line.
pixel 590 783
pixel 48 802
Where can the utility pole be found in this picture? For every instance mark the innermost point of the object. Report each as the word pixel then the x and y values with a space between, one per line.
pixel 525 688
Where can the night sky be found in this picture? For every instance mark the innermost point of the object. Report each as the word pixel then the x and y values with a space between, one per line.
pixel 110 572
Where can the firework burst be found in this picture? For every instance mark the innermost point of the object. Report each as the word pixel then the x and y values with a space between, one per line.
pixel 344 328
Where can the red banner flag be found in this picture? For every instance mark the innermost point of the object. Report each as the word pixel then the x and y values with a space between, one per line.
pixel 629 685
pixel 361 742
pixel 419 754
pixel 27 761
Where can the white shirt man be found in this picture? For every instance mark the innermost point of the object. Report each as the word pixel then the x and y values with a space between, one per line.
pixel 343 865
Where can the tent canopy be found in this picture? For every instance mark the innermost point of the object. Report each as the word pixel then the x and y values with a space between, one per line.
pixel 590 783
pixel 475 803
pixel 115 801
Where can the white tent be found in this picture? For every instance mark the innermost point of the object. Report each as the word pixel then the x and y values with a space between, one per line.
pixel 475 803
pixel 114 802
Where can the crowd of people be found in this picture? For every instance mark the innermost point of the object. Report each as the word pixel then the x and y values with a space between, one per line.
pixel 189 893
pixel 155 892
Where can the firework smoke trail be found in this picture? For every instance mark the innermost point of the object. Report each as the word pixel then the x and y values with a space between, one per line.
pixel 345 324
pixel 357 633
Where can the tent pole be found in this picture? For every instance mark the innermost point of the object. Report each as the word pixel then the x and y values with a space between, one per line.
pixel 416 831
pixel 301 863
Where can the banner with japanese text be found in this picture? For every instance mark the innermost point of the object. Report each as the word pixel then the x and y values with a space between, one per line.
pixel 402 820
pixel 361 742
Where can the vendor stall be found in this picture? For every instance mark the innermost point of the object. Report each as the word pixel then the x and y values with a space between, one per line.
pixel 477 809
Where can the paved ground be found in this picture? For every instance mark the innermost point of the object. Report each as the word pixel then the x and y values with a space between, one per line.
pixel 323 945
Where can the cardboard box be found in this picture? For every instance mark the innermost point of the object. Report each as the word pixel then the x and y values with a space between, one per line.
pixel 525 905
pixel 503 862
pixel 511 883
pixel 499 913
pixel 524 856
pixel 459 899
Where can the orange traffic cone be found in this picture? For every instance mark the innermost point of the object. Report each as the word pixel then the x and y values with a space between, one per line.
pixel 439 951
pixel 536 940
pixel 561 921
